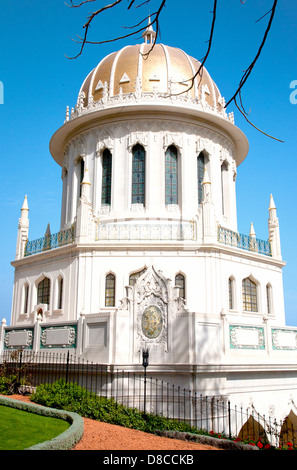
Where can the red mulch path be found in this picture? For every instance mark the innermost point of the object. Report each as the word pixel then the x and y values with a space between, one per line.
pixel 104 436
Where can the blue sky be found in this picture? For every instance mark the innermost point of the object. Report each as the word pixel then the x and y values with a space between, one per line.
pixel 40 81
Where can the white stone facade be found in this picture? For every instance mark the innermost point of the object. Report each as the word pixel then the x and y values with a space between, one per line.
pixel 210 341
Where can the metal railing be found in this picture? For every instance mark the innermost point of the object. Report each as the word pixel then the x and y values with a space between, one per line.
pixel 49 242
pixel 212 414
pixel 244 242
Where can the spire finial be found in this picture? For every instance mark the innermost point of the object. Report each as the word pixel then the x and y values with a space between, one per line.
pixel 252 230
pixel 25 204
pixel 149 34
pixel 271 204
pixel 206 179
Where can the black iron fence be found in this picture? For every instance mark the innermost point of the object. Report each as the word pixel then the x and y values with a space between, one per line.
pixel 149 394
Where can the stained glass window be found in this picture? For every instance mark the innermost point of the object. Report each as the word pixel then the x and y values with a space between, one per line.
pixel 106 178
pixel 171 176
pixel 133 277
pixel 180 282
pixel 138 175
pixel 249 295
pixel 110 290
pixel 43 291
pixel 200 175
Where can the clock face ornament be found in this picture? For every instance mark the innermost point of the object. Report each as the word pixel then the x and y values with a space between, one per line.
pixel 152 322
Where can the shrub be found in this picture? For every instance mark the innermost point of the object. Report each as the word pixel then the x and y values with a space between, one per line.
pixel 72 397
pixel 6 385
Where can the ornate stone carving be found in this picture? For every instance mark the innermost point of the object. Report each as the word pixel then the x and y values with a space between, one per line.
pixel 18 339
pixel 137 138
pixel 58 337
pixel 151 292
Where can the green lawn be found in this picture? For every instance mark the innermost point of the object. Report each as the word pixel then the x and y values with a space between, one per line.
pixel 21 429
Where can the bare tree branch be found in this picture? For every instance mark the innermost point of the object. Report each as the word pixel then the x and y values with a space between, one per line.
pixel 251 66
pixel 192 79
pixel 87 25
pixel 154 20
pixel 253 125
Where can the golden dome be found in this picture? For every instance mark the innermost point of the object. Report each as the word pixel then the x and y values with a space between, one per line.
pixel 138 79
pixel 162 70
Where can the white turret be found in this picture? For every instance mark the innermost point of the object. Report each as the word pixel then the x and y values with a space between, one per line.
pixel 274 234
pixel 23 230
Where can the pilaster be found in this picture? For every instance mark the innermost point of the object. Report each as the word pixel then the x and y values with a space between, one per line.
pixel 84 220
pixel 208 212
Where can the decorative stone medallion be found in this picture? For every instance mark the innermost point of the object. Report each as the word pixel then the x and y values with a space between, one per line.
pixel 152 322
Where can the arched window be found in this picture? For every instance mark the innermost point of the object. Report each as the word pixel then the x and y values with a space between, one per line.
pixel 269 298
pixel 180 282
pixel 133 277
pixel 26 297
pixel 138 175
pixel 106 178
pixel 110 290
pixel 224 170
pixel 249 295
pixel 231 293
pixel 60 293
pixel 171 176
pixel 43 291
pixel 200 175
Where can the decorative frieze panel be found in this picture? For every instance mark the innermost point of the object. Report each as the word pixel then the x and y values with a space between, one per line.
pixel 284 339
pixel 18 339
pixel 154 232
pixel 246 337
pixel 58 337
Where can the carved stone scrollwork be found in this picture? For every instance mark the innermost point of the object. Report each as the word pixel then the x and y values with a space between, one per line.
pixel 172 139
pixel 104 143
pixel 151 295
pixel 137 138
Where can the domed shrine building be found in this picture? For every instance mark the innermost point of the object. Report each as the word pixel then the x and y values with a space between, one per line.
pixel 148 256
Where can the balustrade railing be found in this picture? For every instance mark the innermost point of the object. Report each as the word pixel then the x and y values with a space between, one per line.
pixel 245 242
pixel 49 242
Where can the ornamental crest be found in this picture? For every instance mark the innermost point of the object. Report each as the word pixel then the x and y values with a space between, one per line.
pixel 151 298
